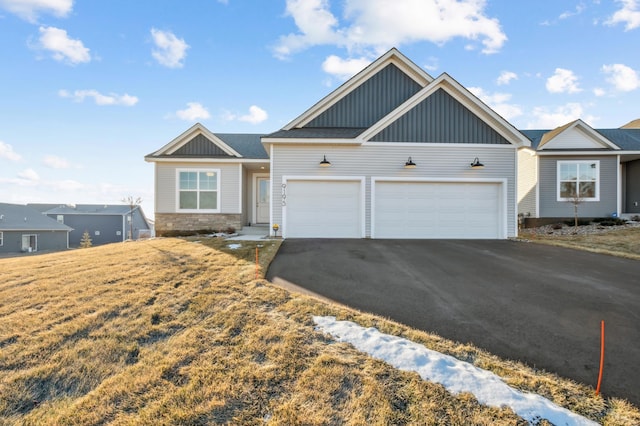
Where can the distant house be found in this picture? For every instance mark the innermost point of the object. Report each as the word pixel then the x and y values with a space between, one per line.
pixel 105 223
pixel 24 229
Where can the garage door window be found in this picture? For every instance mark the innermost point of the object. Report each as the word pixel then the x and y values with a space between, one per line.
pixel 199 190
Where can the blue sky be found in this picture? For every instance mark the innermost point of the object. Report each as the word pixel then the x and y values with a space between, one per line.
pixel 90 87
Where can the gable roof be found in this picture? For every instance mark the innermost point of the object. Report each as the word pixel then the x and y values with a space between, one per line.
pixel 469 106
pixel 16 217
pixel 199 142
pixel 593 140
pixel 392 65
pixel 92 209
pixel 633 124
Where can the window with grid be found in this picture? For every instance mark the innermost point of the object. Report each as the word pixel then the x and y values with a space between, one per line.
pixel 578 179
pixel 199 190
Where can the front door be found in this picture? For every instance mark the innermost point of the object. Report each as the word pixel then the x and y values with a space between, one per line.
pixel 262 200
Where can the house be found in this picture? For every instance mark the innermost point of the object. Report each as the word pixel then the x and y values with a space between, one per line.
pixel 391 153
pixel 105 223
pixel 599 169
pixel 24 229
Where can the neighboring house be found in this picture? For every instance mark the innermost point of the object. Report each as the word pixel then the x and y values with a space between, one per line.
pixel 597 168
pixel 392 153
pixel 105 223
pixel 24 229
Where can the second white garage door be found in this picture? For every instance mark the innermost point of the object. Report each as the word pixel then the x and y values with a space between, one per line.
pixel 437 210
pixel 323 209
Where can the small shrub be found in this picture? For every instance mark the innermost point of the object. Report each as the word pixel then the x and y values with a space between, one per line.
pixel 230 230
pixel 557 226
pixel 635 218
pixel 85 242
pixel 581 222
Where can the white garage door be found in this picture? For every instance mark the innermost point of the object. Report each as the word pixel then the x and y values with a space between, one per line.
pixel 323 209
pixel 437 210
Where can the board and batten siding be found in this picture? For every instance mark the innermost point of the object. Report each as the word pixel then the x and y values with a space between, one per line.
pixel 386 160
pixel 230 182
pixel 548 181
pixel 527 181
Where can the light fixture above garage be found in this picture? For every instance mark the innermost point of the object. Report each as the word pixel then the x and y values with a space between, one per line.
pixel 409 164
pixel 325 162
pixel 476 164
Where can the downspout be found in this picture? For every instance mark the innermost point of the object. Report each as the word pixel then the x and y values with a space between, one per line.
pixel 619 178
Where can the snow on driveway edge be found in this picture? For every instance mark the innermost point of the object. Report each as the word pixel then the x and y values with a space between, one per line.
pixel 455 375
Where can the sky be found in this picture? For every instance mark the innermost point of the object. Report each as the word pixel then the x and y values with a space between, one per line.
pixel 455 375
pixel 88 88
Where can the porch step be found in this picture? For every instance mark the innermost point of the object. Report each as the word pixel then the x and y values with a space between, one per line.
pixel 254 230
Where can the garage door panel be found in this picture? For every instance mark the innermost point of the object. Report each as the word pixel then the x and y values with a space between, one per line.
pixel 436 210
pixel 323 209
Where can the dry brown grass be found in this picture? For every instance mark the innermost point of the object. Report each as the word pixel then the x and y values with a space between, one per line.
pixel 622 242
pixel 170 331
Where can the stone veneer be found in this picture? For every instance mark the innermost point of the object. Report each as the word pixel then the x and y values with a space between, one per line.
pixel 176 222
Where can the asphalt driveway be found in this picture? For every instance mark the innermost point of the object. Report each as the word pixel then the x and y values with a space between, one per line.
pixel 535 303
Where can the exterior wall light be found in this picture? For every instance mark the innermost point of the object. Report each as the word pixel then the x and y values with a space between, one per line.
pixel 477 164
pixel 325 162
pixel 409 164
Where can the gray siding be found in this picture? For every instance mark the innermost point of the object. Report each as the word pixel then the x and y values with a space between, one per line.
pixel 437 162
pixel 632 187
pixel 371 101
pixel 107 226
pixel 548 178
pixel 230 191
pixel 440 119
pixel 527 182
pixel 47 240
pixel 200 146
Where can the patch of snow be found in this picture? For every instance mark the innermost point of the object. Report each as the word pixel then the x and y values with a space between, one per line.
pixel 234 246
pixel 455 375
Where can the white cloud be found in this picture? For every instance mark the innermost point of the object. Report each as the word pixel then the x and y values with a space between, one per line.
pixel 550 119
pixel 7 152
pixel 344 68
pixel 563 81
pixel 55 162
pixel 498 102
pixel 170 50
pixel 628 15
pixel 379 24
pixel 598 91
pixel 622 77
pixel 63 48
pixel 29 174
pixel 99 98
pixel 256 115
pixel 30 9
pixel 569 13
pixel 194 111
pixel 506 77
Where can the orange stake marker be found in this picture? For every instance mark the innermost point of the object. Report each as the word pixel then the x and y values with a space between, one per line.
pixel 601 356
pixel 257 264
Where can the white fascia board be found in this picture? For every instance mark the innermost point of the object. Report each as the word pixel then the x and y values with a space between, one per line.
pixel 582 153
pixel 189 134
pixel 440 144
pixel 462 95
pixel 393 56
pixel 207 160
pixel 309 141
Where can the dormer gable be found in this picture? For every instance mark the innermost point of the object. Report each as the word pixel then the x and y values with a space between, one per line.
pixel 390 80
pixel 199 142
pixel 576 135
pixel 428 117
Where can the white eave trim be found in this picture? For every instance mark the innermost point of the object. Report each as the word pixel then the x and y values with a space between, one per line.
pixel 462 95
pixel 189 134
pixel 312 141
pixel 205 160
pixel 393 56
pixel 587 129
pixel 441 144
pixel 583 153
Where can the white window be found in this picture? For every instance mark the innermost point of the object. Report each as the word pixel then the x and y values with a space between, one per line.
pixel 198 190
pixel 60 218
pixel 579 179
pixel 1 239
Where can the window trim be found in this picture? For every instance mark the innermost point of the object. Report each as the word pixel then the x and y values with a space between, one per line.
pixel 1 238
pixel 198 170
pixel 559 164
